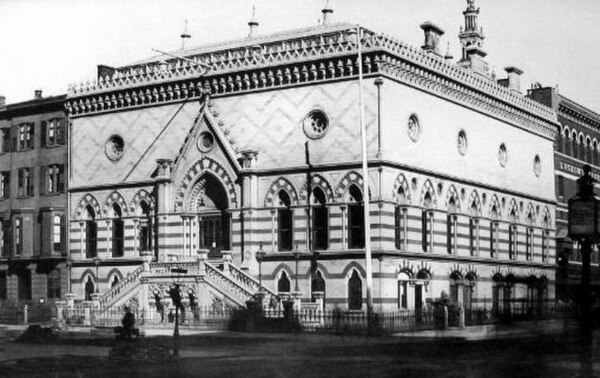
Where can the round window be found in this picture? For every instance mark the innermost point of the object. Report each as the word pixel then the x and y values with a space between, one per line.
pixel 414 128
pixel 537 165
pixel 502 155
pixel 114 147
pixel 461 142
pixel 315 124
pixel 206 141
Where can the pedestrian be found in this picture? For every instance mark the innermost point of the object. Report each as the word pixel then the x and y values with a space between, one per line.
pixel 171 316
pixel 128 323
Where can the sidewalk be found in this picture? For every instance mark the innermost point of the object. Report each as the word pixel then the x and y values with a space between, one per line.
pixel 497 331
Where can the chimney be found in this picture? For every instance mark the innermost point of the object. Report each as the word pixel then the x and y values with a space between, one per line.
pixel 37 94
pixel 432 38
pixel 2 101
pixel 514 78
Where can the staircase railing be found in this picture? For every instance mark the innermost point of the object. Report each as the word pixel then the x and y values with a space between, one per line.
pixel 235 290
pixel 129 280
pixel 247 280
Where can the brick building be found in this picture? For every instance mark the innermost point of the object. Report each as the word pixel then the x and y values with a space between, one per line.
pixel 33 200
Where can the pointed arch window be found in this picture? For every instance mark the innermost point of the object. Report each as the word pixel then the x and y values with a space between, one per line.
pixel 530 238
pixel 320 221
pixel 545 239
pixel 354 291
pixel 285 220
pixel 114 281
pixel 401 221
pixel 117 231
pixel 559 141
pixel 90 289
pixel 474 230
pixel 356 219
pixel 494 232
pixel 513 236
pixel 317 284
pixel 91 233
pixel 427 224
pixel 451 227
pixel 283 284
pixel 145 227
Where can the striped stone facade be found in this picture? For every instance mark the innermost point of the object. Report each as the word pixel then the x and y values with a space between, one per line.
pixel 258 151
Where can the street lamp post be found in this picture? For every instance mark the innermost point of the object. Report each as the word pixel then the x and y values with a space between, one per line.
pixel 176 298
pixel 584 227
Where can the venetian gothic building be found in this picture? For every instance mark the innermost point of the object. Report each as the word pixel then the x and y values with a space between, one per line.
pixel 254 146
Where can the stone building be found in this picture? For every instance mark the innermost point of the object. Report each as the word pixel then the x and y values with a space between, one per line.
pixel 212 154
pixel 33 200
pixel 577 143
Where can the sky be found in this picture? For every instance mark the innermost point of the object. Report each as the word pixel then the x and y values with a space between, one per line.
pixel 49 44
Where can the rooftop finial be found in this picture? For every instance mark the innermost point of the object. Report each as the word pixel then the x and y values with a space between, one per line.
pixel 327 11
pixel 185 35
pixel 252 24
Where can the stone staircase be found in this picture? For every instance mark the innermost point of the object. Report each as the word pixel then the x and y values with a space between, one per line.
pixel 221 276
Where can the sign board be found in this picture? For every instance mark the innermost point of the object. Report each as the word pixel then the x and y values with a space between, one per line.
pixel 582 217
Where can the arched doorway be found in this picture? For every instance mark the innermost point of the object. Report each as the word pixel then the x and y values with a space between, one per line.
pixel 214 219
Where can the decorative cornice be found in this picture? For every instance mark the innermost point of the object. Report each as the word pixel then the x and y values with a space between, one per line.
pixel 579 114
pixel 318 57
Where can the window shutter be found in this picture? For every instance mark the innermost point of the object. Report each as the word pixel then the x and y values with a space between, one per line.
pixel 43 180
pixel 14 134
pixel 61 129
pixel 60 178
pixel 31 181
pixel 44 136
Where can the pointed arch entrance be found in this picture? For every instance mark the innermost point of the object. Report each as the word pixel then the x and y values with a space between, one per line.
pixel 211 204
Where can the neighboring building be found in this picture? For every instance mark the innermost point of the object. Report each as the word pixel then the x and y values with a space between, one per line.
pixel 33 200
pixel 172 159
pixel 577 143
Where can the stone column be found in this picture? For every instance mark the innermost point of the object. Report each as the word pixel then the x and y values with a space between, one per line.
pixel 184 236
pixel 194 229
pixel 136 233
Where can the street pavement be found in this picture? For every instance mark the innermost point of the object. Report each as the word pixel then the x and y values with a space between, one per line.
pixel 543 349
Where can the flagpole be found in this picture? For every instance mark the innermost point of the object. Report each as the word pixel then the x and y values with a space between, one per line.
pixel 365 174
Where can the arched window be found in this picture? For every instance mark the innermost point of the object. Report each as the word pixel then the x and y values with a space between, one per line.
pixel 317 284
pixel 594 152
pixel 529 236
pixel 494 232
pixel 588 150
pixel 145 227
pixel 354 291
pixel 513 242
pixel 567 142
pixel 574 149
pixel 403 280
pixel 401 221
pixel 117 231
pixel 427 224
pixel 474 230
pixel 283 284
pixel 545 238
pixel 18 236
pixel 451 228
pixel 469 291
pixel 285 219
pixel 114 281
pixel 356 219
pixel 91 233
pixel 320 221
pixel 90 288
pixel 581 148
pixel 455 285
